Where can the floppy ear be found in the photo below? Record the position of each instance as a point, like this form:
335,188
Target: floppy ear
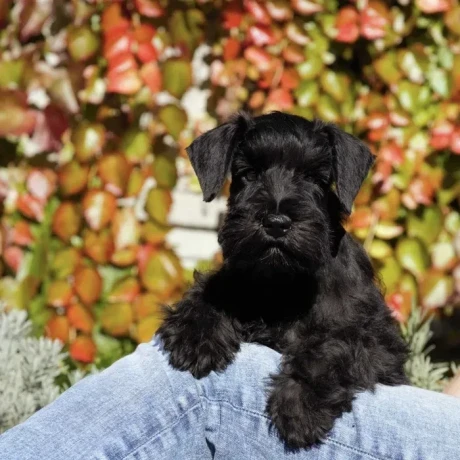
352,160
211,154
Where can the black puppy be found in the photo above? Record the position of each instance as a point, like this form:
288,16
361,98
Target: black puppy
292,278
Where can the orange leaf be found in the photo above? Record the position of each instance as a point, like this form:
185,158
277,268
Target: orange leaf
98,208
88,285
117,318
72,178
80,318
232,48
57,327
125,291
146,328
114,171
83,349
162,273
146,305
59,294
66,221
125,228
98,245
124,257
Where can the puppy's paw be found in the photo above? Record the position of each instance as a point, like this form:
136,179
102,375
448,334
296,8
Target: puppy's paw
199,350
300,420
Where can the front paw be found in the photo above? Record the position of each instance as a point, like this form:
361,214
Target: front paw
300,418
197,351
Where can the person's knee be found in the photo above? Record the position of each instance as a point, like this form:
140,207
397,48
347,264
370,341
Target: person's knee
245,382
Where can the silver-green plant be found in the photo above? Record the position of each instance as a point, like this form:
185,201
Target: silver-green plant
420,369
29,368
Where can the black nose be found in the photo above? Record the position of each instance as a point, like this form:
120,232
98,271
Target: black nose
277,225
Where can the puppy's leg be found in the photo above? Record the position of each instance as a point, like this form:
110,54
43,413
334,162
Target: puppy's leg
199,338
318,380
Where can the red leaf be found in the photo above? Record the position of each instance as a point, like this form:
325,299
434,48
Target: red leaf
290,79
281,99
41,183
151,76
258,12
259,57
83,349
232,15
433,6
374,20
31,206
21,234
306,7
117,41
455,142
122,62
149,8
261,35
347,25
441,135
13,256
392,153
232,48
127,82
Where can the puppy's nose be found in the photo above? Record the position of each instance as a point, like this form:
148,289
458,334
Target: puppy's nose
277,225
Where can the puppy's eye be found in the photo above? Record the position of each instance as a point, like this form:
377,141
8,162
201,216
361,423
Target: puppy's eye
249,175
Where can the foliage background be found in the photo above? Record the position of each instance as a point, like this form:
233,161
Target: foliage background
96,106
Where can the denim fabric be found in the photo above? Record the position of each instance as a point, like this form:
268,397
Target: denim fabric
140,408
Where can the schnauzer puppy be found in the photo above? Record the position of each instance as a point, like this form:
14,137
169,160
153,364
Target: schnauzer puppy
292,278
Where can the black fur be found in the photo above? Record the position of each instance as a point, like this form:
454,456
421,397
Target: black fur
309,294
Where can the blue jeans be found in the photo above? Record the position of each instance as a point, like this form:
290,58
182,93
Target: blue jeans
140,408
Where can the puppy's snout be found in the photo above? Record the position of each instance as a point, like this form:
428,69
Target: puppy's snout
277,225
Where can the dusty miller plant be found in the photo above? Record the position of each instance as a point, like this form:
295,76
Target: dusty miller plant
421,371
29,368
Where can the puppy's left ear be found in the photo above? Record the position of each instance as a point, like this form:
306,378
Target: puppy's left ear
211,154
352,160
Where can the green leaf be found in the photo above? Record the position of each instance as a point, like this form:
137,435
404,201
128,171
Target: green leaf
412,256
387,68
440,82
174,119
427,226
177,76
307,93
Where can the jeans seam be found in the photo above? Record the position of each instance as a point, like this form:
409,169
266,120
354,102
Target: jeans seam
332,440
158,433
259,414
359,451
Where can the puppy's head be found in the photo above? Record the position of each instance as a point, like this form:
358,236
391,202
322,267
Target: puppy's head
284,169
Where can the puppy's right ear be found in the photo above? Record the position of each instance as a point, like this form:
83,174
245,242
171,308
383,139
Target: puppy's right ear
211,154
